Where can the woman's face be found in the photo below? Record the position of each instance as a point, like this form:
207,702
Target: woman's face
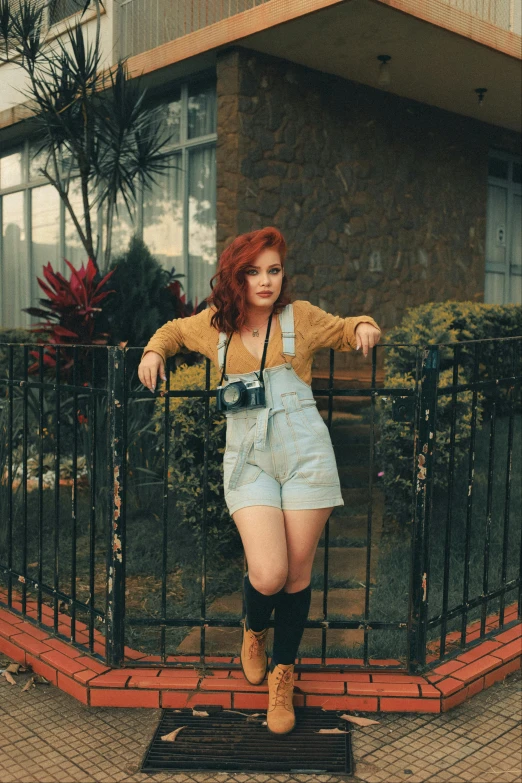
265,274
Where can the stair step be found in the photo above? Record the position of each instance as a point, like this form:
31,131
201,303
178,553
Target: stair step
347,603
355,496
342,404
348,454
227,641
346,524
356,501
344,563
354,476
354,434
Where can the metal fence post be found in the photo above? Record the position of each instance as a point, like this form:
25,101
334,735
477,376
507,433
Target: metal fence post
425,441
116,449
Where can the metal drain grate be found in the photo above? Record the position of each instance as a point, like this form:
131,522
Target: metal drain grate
226,740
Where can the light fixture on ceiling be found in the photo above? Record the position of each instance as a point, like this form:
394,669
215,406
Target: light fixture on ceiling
384,70
480,92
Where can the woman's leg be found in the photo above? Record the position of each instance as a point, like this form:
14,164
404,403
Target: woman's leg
303,529
262,532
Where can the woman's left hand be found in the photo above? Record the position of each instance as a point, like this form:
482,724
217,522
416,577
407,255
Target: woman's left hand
367,336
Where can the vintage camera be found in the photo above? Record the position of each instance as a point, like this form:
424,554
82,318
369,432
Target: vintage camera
239,394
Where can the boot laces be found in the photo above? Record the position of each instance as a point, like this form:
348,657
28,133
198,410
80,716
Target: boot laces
283,688
257,645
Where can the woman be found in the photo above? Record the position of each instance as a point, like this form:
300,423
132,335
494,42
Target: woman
280,475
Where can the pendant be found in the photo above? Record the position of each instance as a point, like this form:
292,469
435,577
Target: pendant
255,333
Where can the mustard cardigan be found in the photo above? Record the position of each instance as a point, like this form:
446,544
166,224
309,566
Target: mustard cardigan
314,329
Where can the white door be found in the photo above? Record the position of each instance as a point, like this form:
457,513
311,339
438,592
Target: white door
503,230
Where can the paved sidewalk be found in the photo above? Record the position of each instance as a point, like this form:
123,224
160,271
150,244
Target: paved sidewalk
46,736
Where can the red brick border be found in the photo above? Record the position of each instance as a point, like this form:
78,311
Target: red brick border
97,685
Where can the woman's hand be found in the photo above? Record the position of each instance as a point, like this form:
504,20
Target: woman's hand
150,365
367,336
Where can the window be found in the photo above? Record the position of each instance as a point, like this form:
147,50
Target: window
176,215
61,9
503,283
179,212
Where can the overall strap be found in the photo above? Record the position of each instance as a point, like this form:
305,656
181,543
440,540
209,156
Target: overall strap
286,318
222,340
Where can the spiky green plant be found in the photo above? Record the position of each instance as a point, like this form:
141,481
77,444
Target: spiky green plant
91,123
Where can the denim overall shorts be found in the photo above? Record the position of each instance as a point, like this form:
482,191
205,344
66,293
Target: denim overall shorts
280,455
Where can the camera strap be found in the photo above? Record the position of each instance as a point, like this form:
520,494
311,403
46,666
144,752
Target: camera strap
225,362
262,359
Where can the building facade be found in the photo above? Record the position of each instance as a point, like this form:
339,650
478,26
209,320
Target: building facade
390,193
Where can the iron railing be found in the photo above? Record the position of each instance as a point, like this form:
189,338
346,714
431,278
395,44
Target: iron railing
98,414
502,13
145,24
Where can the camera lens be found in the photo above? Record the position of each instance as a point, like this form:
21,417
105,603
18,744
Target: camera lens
231,394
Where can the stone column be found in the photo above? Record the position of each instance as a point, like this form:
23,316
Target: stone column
228,147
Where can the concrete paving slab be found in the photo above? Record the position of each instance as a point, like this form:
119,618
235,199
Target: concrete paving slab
46,736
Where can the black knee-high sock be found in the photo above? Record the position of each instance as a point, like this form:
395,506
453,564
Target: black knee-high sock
258,606
290,616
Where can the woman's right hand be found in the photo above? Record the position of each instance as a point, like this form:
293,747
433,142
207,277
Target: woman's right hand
148,369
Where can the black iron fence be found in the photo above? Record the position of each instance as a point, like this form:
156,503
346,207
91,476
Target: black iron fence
112,516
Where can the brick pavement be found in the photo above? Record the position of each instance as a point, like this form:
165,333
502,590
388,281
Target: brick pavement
47,736
94,684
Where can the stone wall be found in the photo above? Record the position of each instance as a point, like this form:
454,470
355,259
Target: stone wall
382,200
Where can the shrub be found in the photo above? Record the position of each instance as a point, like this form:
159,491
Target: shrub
186,458
70,311
146,296
142,300
432,324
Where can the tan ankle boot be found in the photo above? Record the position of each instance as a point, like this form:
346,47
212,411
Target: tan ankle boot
254,661
280,715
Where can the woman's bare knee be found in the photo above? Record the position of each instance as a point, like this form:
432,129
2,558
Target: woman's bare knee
268,583
263,536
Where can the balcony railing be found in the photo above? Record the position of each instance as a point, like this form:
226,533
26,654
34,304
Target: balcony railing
502,13
145,24
112,516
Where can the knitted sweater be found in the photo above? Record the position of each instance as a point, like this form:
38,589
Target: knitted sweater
314,329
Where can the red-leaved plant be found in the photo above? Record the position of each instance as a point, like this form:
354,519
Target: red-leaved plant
70,310
186,308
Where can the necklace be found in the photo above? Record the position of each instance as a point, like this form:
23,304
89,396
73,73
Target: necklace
255,331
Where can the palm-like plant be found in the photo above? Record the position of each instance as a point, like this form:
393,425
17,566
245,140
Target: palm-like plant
91,123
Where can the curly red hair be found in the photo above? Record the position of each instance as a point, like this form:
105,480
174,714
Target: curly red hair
229,293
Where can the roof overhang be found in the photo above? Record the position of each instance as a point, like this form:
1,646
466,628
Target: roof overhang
439,55
429,63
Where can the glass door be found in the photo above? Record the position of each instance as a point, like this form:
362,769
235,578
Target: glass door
503,230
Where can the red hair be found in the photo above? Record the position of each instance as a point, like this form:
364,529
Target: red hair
229,294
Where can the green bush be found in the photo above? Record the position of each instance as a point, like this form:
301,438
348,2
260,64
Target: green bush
433,324
186,458
141,302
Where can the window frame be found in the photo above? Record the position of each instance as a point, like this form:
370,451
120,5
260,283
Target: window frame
50,7
183,147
